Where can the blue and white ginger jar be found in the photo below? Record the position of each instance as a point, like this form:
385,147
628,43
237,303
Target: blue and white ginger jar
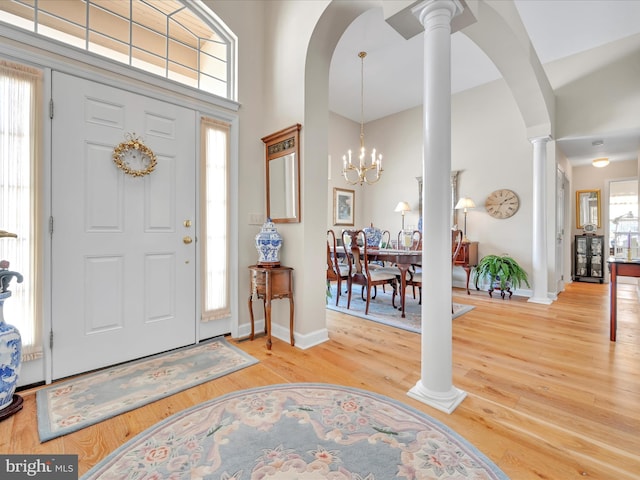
268,243
10,345
373,235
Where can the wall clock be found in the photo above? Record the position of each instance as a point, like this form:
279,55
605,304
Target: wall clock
502,203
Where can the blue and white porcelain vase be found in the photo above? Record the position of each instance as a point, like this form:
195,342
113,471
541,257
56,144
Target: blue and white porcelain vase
10,342
268,243
373,236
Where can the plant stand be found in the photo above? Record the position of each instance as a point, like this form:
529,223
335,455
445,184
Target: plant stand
503,293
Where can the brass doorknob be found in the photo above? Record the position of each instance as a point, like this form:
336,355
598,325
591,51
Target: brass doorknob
187,240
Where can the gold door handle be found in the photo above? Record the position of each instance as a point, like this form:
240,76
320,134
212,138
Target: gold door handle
187,240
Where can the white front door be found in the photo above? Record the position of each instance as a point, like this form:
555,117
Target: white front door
123,272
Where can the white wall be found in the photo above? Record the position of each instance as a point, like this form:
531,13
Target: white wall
489,148
246,20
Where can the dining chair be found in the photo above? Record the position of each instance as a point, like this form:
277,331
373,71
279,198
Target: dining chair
413,243
385,242
410,241
360,273
337,271
456,245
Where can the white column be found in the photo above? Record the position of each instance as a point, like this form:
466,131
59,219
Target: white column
540,277
435,386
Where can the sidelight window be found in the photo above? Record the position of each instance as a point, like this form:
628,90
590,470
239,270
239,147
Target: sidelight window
20,99
215,209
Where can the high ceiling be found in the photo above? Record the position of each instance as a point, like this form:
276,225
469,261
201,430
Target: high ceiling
393,77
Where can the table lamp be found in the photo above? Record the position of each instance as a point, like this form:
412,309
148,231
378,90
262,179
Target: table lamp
465,203
402,207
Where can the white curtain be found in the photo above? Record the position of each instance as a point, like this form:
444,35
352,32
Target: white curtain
215,218
20,100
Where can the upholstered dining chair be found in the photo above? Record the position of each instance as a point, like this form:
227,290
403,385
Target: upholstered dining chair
456,245
360,273
412,242
337,271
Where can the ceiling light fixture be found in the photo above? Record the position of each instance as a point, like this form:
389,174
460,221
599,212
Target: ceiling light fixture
600,162
362,168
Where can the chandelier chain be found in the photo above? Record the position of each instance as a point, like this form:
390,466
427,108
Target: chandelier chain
362,55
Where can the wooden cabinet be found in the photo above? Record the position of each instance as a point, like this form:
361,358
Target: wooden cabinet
467,258
588,258
269,283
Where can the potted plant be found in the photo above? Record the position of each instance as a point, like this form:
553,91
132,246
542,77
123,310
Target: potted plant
501,271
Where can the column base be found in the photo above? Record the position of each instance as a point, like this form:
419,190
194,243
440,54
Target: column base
542,300
446,402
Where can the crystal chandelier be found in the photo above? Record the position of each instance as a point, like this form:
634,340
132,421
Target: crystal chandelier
361,168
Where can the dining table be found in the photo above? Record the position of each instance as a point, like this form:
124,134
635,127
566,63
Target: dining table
403,259
624,268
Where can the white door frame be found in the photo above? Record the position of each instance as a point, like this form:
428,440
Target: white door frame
19,47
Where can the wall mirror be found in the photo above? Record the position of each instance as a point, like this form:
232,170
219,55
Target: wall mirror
588,208
282,154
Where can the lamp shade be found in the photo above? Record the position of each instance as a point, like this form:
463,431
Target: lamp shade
402,207
465,202
600,162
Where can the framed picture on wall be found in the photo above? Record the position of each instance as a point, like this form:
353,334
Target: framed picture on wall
343,206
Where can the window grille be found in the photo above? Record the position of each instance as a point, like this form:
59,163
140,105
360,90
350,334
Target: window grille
182,41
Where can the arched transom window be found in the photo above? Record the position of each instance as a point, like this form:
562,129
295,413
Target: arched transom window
180,40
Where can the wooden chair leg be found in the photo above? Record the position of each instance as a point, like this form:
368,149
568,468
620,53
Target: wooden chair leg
393,294
366,310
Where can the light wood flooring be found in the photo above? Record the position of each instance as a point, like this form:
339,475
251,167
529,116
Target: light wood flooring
549,396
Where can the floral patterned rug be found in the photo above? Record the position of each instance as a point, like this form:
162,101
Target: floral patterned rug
86,400
304,431
381,310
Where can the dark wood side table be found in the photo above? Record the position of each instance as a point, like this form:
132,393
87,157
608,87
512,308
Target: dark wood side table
626,269
467,259
269,283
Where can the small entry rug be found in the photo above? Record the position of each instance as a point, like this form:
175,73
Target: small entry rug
304,431
89,399
381,310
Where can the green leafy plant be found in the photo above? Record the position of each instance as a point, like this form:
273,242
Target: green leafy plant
500,270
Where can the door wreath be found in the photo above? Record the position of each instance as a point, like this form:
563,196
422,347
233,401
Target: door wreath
134,158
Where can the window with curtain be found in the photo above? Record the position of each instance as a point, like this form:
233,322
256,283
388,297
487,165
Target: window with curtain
214,136
20,111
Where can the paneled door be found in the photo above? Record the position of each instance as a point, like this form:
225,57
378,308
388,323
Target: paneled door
123,268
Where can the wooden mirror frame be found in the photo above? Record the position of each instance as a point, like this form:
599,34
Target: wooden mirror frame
583,199
278,145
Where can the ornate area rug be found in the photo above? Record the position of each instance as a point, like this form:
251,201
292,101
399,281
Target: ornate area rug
299,431
381,310
86,400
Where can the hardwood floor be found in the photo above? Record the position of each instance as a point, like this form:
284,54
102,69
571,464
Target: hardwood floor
549,396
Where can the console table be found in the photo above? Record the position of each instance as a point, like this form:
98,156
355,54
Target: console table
467,258
626,269
270,283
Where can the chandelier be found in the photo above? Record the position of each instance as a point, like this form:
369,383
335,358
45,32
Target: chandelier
361,169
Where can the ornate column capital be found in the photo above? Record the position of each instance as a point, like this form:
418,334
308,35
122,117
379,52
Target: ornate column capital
442,11
540,139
